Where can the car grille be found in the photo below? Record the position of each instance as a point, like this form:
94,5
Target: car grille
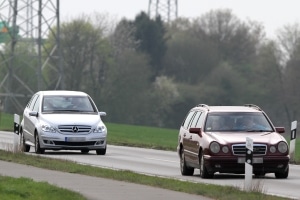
74,129
258,149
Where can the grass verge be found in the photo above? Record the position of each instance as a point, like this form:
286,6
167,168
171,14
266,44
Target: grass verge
24,188
212,191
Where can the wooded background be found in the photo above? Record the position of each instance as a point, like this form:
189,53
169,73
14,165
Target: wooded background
147,72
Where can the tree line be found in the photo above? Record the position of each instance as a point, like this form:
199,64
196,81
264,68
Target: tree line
147,72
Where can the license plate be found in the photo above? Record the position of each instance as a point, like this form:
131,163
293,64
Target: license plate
254,160
74,139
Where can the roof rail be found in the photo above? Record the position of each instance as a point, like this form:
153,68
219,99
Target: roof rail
253,106
203,105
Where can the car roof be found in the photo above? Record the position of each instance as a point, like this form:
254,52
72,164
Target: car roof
229,108
63,93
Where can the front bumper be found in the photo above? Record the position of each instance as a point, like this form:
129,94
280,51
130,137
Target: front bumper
262,164
57,141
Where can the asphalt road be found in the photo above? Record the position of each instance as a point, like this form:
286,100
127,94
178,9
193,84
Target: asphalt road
166,163
91,187
94,188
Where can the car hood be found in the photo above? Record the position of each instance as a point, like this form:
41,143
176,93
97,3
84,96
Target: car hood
233,137
71,119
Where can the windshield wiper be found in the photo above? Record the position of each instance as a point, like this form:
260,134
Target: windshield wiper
258,130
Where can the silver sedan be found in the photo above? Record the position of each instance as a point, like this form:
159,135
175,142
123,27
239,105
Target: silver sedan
57,120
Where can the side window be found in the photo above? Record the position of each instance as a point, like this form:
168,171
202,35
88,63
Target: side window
36,104
200,122
188,119
32,101
195,120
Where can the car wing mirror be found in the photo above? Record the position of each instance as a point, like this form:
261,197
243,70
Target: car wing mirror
102,114
33,113
280,129
196,131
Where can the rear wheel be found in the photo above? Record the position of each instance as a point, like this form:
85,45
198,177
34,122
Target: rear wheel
185,170
38,149
85,151
23,146
259,174
284,174
203,170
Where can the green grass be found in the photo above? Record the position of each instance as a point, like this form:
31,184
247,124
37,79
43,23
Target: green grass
24,188
208,190
6,122
141,136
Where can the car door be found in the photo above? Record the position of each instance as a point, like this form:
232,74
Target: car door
195,139
186,135
30,121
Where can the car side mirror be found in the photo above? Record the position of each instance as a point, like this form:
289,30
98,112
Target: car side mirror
196,131
33,113
280,129
102,114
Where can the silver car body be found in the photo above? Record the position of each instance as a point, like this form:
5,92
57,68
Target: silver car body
63,125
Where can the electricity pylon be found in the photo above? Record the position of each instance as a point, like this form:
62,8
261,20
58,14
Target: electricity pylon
28,23
166,9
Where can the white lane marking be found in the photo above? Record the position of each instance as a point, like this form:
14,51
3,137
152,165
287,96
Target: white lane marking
162,160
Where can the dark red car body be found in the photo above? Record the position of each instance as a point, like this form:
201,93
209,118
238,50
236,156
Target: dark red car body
223,150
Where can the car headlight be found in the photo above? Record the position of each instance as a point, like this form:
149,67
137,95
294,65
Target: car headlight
282,147
48,128
214,147
99,129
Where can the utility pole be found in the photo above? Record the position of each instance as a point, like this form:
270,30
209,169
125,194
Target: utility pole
166,9
29,23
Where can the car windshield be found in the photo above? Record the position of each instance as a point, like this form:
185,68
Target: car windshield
237,121
67,104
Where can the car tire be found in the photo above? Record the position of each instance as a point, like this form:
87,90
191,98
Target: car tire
259,174
37,146
101,151
85,151
23,146
203,170
185,170
281,175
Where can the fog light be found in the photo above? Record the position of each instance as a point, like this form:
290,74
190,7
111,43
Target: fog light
280,166
100,142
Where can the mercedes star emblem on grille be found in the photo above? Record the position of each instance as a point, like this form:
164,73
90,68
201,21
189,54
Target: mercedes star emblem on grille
75,129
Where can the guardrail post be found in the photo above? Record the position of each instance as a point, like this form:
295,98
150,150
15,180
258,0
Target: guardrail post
248,164
16,133
293,140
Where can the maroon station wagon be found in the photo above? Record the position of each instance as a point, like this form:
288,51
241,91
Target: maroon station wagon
213,139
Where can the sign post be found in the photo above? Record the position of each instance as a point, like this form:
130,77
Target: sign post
248,164
293,140
16,132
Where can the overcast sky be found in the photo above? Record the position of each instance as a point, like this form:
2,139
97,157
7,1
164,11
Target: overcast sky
273,14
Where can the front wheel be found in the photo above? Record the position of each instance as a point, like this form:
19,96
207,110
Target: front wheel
101,151
284,174
203,170
38,149
185,170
